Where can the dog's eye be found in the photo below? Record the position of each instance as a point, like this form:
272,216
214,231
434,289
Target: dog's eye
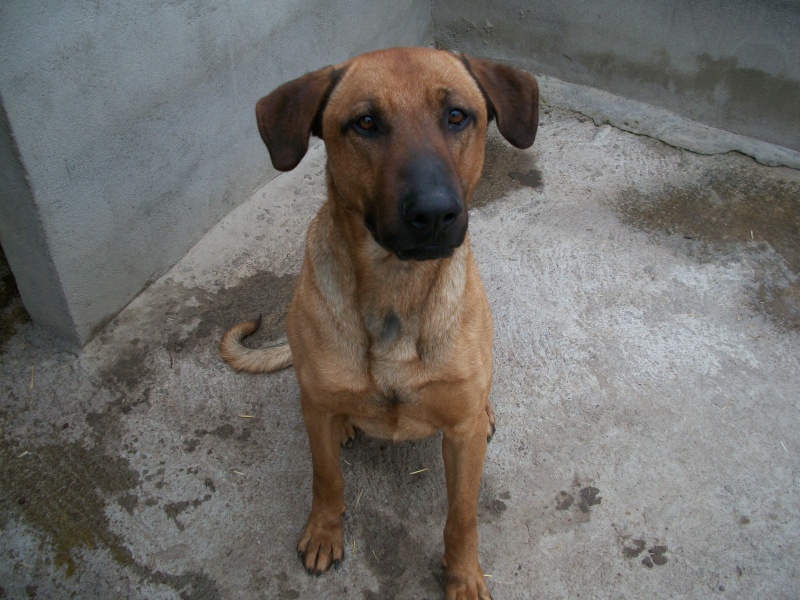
367,124
456,118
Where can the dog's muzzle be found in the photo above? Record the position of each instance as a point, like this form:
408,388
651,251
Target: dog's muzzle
429,220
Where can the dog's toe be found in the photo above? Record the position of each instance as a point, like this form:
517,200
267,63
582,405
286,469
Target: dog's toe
466,586
321,546
348,434
491,428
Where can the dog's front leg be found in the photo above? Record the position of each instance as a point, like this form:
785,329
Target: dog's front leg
321,544
463,450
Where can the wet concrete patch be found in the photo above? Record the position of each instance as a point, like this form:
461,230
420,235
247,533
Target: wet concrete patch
190,585
564,500
131,366
223,432
390,547
736,211
174,509
262,294
105,424
129,502
62,490
655,556
59,489
589,497
531,178
387,540
285,592
634,549
576,504
184,320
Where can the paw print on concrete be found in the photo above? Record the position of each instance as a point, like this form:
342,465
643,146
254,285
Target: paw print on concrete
655,555
587,497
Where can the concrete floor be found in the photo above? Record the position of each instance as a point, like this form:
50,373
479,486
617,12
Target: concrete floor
647,392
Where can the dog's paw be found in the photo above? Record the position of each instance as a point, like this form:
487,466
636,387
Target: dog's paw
465,585
490,428
348,433
321,547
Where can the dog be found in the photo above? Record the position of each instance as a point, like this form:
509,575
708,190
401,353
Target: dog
389,328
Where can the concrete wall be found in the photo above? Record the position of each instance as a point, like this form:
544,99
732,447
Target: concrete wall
127,130
732,64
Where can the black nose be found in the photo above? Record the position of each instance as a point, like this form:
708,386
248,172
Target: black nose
431,213
430,204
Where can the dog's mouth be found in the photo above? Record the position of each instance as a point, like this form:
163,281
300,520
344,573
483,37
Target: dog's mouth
425,253
422,252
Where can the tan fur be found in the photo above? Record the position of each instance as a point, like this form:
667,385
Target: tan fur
261,360
400,349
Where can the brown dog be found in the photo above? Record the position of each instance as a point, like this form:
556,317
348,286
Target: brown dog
389,327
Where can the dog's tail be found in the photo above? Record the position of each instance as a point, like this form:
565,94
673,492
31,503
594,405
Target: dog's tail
261,360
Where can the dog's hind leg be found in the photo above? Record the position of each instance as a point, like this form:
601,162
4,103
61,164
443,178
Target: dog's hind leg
348,433
491,429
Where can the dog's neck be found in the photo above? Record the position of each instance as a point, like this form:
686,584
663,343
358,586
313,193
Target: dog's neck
369,286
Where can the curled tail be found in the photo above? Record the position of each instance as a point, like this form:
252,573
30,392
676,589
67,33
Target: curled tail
261,360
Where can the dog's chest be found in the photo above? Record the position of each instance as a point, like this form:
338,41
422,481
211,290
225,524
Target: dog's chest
393,408
394,356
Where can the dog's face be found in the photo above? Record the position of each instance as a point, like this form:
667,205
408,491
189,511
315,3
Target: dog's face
404,133
404,130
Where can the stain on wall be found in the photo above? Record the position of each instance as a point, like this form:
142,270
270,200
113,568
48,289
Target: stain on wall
730,65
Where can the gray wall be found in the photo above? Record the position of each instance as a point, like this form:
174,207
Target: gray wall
127,130
732,64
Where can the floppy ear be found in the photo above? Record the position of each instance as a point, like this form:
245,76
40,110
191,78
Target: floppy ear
290,114
512,96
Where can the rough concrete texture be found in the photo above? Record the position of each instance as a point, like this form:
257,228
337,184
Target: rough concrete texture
647,320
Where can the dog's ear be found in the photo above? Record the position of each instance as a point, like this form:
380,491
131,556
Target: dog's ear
512,96
291,113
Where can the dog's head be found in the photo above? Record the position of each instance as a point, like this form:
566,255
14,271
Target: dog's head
404,130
